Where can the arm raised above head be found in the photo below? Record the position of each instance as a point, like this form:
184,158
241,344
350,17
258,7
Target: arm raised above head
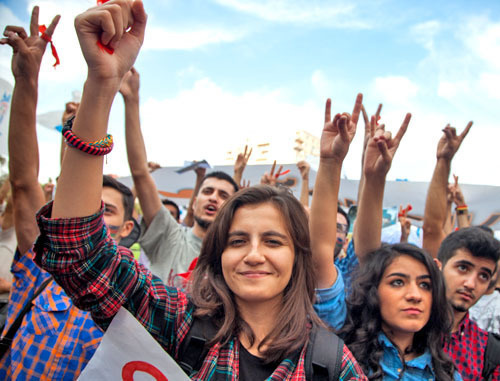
119,24
335,141
27,194
435,204
379,153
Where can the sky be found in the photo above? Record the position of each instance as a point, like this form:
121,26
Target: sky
218,73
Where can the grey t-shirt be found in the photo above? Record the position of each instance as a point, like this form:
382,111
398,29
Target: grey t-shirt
169,246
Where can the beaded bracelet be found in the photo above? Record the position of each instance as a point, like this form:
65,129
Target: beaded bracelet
98,148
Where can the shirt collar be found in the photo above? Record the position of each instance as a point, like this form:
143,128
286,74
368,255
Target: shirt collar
421,362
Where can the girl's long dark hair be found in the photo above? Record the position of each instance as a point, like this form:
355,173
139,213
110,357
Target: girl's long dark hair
364,322
213,298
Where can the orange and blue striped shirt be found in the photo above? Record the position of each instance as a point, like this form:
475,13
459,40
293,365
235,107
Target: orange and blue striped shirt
55,340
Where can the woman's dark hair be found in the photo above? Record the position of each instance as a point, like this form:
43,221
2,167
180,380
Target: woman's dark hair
364,321
212,296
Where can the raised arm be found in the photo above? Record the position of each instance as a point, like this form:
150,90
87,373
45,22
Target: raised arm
369,131
435,204
119,25
69,110
335,140
200,174
240,165
304,169
144,183
27,194
461,207
378,157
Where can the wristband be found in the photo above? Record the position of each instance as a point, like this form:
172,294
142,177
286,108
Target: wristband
98,148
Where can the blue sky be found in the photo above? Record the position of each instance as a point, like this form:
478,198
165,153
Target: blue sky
218,73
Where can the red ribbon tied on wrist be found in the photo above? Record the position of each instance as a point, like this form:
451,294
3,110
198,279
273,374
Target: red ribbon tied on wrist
42,29
105,48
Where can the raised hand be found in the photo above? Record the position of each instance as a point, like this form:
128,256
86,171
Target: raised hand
69,110
130,84
338,133
28,51
118,24
456,193
271,178
405,224
152,166
382,147
369,127
450,142
242,160
304,168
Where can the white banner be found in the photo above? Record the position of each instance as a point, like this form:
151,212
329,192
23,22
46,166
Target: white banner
129,353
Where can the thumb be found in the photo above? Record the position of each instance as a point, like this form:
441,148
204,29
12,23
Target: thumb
140,19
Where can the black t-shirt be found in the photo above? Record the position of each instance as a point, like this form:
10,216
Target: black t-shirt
253,368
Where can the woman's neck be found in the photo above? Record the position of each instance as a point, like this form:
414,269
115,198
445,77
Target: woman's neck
261,317
403,342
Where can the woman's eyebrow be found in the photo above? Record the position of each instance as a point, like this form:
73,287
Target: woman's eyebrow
398,274
274,233
237,232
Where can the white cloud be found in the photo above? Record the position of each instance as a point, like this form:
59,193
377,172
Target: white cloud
206,121
321,84
396,90
314,12
425,33
160,38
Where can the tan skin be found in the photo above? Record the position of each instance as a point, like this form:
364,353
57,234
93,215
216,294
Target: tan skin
435,204
28,197
336,138
378,156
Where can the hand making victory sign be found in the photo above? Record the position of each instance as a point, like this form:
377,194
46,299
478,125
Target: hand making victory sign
28,50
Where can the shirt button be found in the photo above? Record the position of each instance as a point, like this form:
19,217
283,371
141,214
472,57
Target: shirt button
399,370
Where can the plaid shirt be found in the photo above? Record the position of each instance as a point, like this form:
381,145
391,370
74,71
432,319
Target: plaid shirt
55,340
466,347
101,277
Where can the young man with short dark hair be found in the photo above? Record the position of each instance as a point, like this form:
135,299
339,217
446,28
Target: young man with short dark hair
468,259
169,246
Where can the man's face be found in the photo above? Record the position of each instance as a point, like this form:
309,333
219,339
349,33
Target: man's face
341,233
467,279
213,193
114,214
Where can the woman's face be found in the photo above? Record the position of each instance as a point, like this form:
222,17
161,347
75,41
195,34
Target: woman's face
405,294
257,262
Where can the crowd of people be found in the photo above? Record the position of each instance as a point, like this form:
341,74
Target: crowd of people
280,290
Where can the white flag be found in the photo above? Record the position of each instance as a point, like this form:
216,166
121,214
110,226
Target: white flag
128,352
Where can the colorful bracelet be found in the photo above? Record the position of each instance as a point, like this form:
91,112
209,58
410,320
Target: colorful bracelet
462,209
98,148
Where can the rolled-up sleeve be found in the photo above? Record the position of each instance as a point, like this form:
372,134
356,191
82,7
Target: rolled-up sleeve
330,303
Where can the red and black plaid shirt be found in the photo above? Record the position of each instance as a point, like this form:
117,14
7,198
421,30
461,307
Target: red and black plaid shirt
101,277
466,347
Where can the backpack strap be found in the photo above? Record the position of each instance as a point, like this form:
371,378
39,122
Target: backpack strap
491,356
324,354
6,341
193,349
